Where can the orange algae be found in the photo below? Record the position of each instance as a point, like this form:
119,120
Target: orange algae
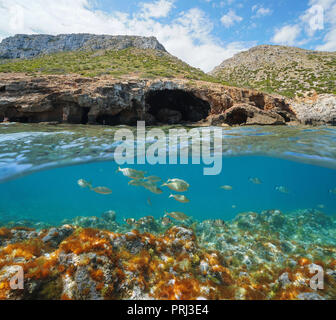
150,268
5,233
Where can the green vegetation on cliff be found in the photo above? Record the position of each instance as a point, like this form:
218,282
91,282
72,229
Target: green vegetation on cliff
143,63
278,69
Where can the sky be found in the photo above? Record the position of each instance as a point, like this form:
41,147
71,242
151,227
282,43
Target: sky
203,33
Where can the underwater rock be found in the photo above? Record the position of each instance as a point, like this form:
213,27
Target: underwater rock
57,235
205,260
310,296
284,280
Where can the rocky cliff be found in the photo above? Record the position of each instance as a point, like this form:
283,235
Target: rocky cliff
284,70
28,46
105,100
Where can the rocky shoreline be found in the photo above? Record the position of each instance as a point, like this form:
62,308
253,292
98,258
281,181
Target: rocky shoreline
104,100
240,259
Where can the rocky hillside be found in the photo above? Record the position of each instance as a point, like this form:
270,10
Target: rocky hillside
284,70
92,55
28,46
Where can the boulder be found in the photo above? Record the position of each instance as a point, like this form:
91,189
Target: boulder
316,110
245,114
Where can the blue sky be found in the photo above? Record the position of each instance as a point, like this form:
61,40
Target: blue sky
201,32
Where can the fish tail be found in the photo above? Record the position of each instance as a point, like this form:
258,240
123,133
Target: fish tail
165,213
118,170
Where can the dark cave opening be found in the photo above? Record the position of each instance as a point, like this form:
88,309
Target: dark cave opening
85,115
238,116
176,106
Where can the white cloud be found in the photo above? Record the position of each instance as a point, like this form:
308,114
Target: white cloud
260,11
287,35
329,17
157,9
230,19
187,37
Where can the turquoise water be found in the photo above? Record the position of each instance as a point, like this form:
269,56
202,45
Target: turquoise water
53,195
40,167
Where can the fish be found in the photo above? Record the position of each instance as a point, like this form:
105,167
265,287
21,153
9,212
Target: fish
166,221
321,206
234,206
179,216
227,188
153,179
177,185
220,223
282,189
154,189
145,220
102,190
149,201
180,198
136,183
130,221
84,184
131,173
255,180
179,181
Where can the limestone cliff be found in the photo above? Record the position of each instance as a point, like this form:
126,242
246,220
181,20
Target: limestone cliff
29,46
105,100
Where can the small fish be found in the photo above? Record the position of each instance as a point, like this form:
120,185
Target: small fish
321,206
153,179
154,189
131,173
136,183
180,198
102,190
255,180
84,184
282,189
179,216
149,201
179,181
333,191
166,221
177,185
234,206
219,223
131,221
227,188
146,220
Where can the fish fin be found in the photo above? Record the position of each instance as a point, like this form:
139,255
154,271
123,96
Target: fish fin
118,170
164,185
165,213
171,196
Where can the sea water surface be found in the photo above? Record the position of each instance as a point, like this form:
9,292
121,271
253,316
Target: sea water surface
40,166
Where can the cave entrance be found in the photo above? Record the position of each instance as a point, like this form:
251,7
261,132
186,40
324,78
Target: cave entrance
176,106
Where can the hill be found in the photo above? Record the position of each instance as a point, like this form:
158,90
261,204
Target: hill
279,69
90,56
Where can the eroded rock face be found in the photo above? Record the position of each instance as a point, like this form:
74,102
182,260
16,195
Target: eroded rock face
316,109
107,101
28,46
245,114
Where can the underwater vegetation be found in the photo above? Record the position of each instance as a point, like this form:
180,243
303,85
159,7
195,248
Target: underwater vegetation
253,257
